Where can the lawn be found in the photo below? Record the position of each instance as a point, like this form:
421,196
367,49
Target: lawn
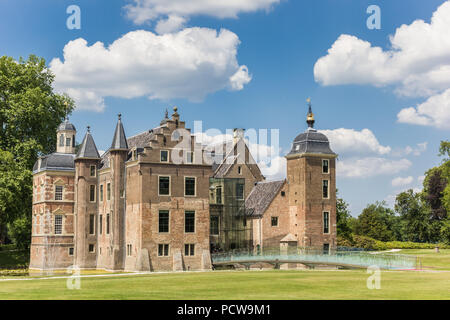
237,285
430,259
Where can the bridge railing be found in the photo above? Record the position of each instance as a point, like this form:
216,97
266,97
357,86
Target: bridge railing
316,256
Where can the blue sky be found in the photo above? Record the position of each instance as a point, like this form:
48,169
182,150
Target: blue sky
280,44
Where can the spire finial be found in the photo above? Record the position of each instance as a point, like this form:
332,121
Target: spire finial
89,129
119,116
166,115
310,117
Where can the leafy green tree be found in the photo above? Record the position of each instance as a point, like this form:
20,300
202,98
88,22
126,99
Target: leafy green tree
415,217
378,222
30,113
343,219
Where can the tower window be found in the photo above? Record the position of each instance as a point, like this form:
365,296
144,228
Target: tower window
325,193
70,251
239,170
101,192
189,186
58,192
129,248
61,140
93,169
58,224
108,191
91,248
274,221
325,166
163,225
240,191
73,141
91,224
92,193
163,250
100,224
189,221
219,194
164,186
107,223
326,222
164,156
68,142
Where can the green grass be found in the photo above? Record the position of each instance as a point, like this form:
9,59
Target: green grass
237,285
430,259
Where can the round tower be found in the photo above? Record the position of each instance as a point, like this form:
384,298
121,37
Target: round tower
65,137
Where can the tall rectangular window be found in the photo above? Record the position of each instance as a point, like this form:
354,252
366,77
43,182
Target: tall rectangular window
73,141
189,249
164,156
93,168
163,225
101,192
240,191
274,221
58,224
214,225
58,192
219,194
326,248
100,224
325,189
92,193
107,223
326,222
91,224
164,186
68,142
61,140
189,221
189,186
163,249
108,191
325,166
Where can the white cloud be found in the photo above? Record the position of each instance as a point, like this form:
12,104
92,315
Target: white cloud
400,182
370,166
433,112
141,11
171,24
190,64
349,141
408,150
418,64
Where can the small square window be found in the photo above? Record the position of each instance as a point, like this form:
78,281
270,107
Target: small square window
163,250
70,251
239,170
274,221
164,156
91,248
189,249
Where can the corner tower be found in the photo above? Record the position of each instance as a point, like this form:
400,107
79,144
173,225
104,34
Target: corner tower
86,182
311,176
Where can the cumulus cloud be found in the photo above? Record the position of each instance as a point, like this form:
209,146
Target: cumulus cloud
370,166
141,11
190,64
433,112
418,64
349,141
171,24
408,150
400,182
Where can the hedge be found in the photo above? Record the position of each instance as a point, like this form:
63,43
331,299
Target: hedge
368,243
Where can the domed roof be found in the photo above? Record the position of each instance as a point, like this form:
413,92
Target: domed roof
66,126
55,161
311,141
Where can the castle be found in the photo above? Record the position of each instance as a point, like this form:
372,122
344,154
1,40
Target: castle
147,204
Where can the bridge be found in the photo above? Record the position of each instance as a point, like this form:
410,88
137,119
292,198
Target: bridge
343,259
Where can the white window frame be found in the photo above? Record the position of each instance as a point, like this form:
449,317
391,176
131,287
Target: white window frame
323,222
90,171
62,192
189,249
327,166
169,221
160,155
62,223
170,185
168,251
328,189
195,186
93,246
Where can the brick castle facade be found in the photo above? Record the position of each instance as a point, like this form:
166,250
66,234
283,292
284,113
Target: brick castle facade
155,202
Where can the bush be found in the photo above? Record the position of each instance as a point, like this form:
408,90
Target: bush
20,232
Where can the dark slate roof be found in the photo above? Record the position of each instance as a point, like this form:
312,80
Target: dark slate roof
104,161
66,125
311,141
141,140
261,197
55,161
88,149
119,139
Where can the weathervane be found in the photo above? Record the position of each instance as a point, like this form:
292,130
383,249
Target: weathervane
310,117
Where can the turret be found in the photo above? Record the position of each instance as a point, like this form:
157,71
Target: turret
66,137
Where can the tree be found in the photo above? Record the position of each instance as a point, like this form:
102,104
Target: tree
343,219
378,222
415,217
30,113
